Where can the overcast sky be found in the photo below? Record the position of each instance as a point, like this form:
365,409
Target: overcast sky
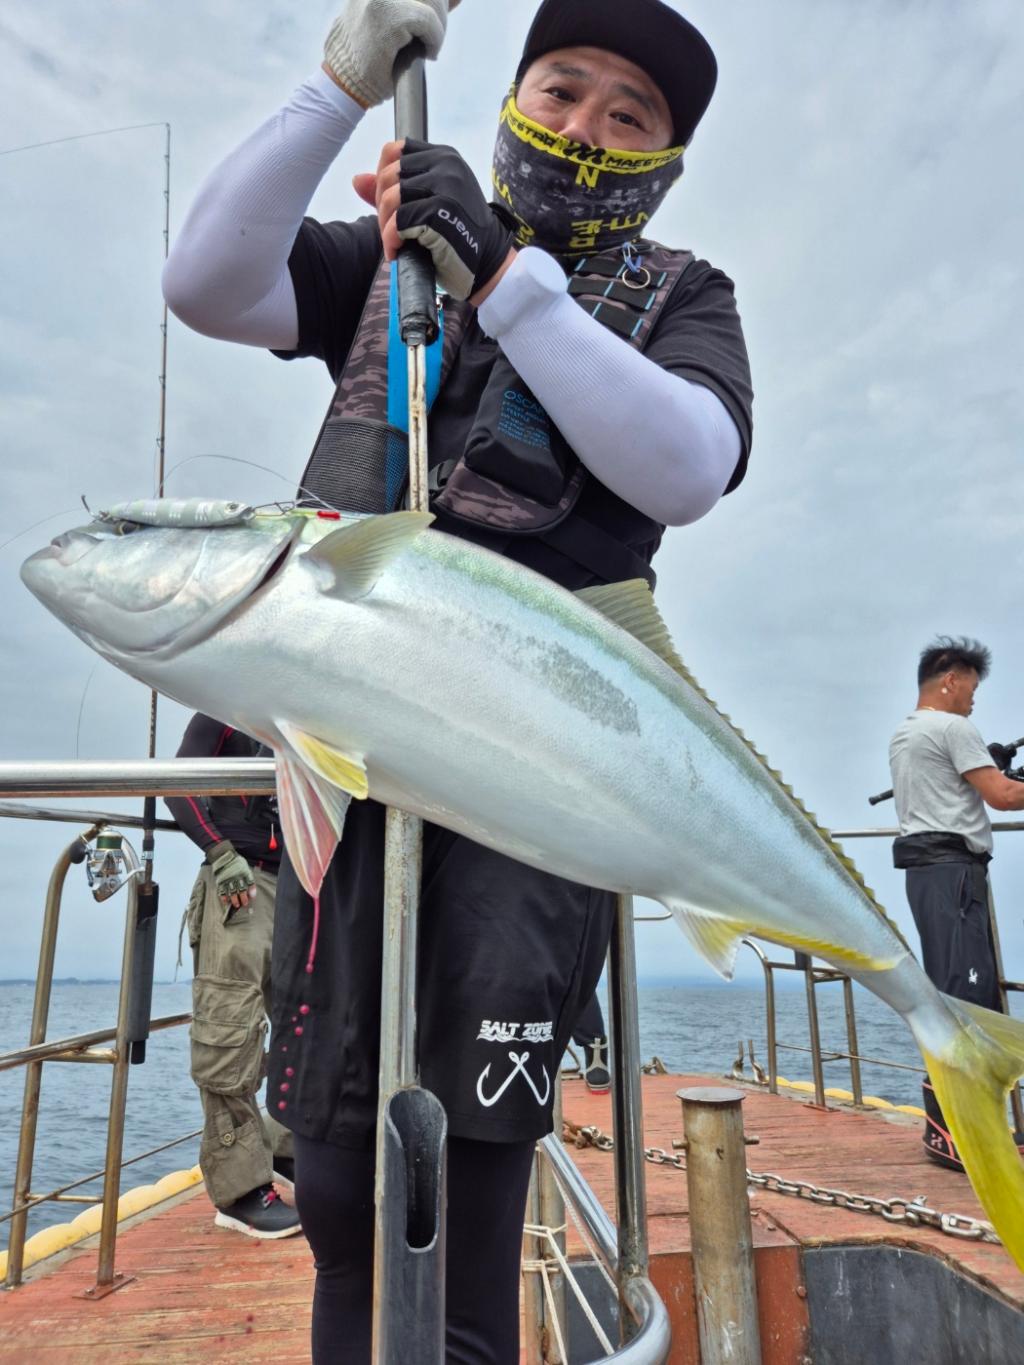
858,176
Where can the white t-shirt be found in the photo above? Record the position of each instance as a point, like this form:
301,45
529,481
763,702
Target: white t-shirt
927,756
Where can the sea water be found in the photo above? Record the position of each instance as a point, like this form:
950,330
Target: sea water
694,1027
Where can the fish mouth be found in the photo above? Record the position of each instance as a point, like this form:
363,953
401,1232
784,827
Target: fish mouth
69,547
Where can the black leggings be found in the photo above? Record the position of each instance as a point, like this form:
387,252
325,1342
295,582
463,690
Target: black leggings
487,1187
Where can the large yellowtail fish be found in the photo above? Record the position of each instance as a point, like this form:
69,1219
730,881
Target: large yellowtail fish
381,659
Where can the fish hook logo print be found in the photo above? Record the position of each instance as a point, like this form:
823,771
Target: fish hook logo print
519,1069
493,1031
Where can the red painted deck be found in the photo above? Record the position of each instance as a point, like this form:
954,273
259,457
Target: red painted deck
203,1293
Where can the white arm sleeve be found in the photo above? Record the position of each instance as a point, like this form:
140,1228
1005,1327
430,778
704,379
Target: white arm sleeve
665,445
227,273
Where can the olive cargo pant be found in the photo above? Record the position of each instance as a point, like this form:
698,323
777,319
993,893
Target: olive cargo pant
230,1001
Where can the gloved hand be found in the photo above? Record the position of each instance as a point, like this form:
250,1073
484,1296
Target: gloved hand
1003,755
368,35
443,208
232,875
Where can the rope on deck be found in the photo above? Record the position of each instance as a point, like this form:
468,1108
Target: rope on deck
542,1266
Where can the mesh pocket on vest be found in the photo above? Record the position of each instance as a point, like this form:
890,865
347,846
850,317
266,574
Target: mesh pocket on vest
358,465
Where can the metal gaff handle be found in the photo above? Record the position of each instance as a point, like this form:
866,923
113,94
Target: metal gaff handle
417,300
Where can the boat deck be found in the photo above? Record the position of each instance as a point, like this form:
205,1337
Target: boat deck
203,1293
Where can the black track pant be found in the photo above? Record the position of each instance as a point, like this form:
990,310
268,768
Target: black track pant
589,1023
949,902
487,1187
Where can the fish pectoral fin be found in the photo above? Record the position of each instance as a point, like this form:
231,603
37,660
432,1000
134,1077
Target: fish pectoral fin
334,765
717,939
357,555
312,818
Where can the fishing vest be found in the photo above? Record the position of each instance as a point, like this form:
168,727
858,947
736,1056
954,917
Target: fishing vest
517,475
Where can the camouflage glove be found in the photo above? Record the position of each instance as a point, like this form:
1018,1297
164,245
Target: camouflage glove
443,208
232,875
368,35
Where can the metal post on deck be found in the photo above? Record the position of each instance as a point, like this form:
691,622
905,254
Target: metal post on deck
75,852
806,964
107,1279
721,1237
409,1231
627,1111
545,1209
852,1045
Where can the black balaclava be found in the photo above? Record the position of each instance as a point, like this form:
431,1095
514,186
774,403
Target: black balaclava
569,198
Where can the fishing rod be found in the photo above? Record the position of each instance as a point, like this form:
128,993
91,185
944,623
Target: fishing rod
1002,756
144,946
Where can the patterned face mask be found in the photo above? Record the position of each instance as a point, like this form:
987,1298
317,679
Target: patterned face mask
569,198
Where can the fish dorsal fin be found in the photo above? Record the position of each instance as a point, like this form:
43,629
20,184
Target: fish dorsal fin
357,555
631,607
343,770
312,818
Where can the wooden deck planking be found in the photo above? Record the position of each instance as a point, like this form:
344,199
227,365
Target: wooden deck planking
873,1152
207,1294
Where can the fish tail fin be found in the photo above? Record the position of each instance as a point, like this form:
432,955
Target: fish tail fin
972,1078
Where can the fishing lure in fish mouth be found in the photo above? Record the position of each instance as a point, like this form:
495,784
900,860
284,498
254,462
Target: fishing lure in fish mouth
379,659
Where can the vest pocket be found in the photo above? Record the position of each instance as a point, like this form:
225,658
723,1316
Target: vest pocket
515,442
227,1033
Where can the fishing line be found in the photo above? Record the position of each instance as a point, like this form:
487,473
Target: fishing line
50,516
81,704
237,459
80,137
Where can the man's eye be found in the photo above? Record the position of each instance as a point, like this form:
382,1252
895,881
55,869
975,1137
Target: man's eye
559,92
628,119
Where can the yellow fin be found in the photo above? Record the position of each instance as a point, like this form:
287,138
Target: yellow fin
715,938
972,1079
312,817
357,555
346,771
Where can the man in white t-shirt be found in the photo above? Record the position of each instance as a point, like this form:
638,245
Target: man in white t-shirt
943,778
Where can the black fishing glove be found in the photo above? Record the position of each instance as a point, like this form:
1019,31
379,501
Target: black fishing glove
1003,755
443,208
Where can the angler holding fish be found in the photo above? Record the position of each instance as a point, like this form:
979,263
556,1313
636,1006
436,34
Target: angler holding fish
552,738
593,387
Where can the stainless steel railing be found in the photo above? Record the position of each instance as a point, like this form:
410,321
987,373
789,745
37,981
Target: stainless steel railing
644,1323
816,976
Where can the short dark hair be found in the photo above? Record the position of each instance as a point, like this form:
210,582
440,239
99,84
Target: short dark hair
946,652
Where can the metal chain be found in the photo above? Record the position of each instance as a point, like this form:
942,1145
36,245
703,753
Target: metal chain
915,1212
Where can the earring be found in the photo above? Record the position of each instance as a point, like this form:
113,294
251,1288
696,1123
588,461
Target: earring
945,691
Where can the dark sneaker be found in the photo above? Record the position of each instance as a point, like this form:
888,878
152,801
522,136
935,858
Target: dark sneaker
595,1068
260,1213
284,1168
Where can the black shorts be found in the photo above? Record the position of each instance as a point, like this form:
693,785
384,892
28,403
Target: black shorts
508,958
